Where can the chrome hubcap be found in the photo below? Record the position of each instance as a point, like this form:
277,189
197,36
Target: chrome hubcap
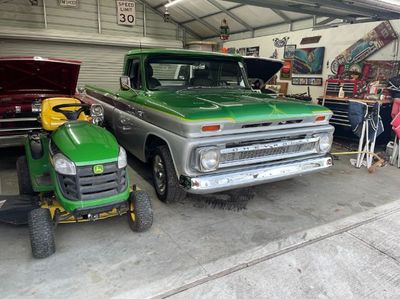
159,174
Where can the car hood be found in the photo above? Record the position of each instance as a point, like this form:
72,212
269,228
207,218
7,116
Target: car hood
84,143
21,75
238,106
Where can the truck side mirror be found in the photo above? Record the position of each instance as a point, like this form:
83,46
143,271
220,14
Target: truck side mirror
125,83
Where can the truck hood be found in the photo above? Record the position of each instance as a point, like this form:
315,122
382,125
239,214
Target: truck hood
262,68
238,106
21,75
84,143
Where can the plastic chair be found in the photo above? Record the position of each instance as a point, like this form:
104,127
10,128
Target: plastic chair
367,126
395,157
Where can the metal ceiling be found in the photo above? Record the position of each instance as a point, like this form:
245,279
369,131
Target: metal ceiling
202,18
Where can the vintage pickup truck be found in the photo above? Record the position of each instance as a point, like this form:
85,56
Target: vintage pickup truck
24,83
194,117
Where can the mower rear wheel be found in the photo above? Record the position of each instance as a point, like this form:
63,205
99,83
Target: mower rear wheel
41,232
165,181
140,214
24,179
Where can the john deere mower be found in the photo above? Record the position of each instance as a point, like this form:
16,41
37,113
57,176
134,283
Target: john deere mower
75,171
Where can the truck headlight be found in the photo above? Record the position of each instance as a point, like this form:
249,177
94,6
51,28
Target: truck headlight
209,158
97,113
325,142
122,158
63,165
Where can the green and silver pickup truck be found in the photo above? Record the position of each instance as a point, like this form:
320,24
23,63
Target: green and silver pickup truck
195,118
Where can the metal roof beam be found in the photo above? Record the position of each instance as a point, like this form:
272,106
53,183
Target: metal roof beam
232,15
263,27
172,19
324,22
197,18
213,14
299,8
349,8
282,15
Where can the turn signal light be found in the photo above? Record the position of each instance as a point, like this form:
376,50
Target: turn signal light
320,118
211,128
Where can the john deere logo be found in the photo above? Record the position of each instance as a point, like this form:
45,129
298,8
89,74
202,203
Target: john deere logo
98,169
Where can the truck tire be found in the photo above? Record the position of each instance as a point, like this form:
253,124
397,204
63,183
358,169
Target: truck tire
164,176
41,233
24,178
140,214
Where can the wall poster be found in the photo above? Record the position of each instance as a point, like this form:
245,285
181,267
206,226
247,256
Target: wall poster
374,40
309,61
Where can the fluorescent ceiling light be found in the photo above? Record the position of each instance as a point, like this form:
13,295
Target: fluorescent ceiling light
172,3
394,2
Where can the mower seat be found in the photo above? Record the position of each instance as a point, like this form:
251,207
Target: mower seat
51,120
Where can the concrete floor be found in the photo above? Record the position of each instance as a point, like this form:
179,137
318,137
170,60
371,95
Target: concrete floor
323,235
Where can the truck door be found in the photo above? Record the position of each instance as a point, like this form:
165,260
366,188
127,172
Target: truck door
127,113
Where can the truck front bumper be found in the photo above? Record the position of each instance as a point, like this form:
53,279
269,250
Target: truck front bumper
253,176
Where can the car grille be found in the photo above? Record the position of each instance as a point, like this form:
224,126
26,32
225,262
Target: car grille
267,151
86,185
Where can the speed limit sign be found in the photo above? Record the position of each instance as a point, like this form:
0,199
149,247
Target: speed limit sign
126,12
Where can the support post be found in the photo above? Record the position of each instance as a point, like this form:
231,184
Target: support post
45,14
98,16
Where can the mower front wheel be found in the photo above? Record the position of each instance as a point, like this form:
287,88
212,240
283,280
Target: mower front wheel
140,214
41,232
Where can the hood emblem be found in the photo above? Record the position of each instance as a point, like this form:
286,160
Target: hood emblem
98,169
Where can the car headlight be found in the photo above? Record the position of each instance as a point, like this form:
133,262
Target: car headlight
325,142
63,165
209,158
122,158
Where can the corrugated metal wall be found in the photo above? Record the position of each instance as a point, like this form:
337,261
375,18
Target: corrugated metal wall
102,62
19,13
102,65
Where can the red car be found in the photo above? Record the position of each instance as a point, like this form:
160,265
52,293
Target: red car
24,83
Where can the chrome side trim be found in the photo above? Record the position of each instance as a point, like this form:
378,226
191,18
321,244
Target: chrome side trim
6,120
13,140
254,176
19,129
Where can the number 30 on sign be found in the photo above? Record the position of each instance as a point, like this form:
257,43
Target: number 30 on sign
126,12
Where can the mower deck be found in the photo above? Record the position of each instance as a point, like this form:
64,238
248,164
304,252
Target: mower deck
14,209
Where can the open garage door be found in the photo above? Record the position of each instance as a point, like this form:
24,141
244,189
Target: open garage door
101,64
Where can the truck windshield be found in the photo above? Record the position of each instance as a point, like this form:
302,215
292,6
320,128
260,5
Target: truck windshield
192,73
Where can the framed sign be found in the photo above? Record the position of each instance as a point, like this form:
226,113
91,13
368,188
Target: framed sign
68,3
286,70
126,12
372,42
290,51
307,81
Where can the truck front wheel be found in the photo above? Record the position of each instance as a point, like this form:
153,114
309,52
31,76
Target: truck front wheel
164,176
41,232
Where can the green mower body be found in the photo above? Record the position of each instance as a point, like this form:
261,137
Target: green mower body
98,183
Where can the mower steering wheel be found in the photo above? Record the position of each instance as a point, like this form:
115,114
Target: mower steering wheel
71,114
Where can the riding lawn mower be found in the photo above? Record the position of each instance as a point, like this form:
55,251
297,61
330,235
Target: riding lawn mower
75,171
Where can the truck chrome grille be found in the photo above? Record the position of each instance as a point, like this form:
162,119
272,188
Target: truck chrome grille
268,151
86,185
